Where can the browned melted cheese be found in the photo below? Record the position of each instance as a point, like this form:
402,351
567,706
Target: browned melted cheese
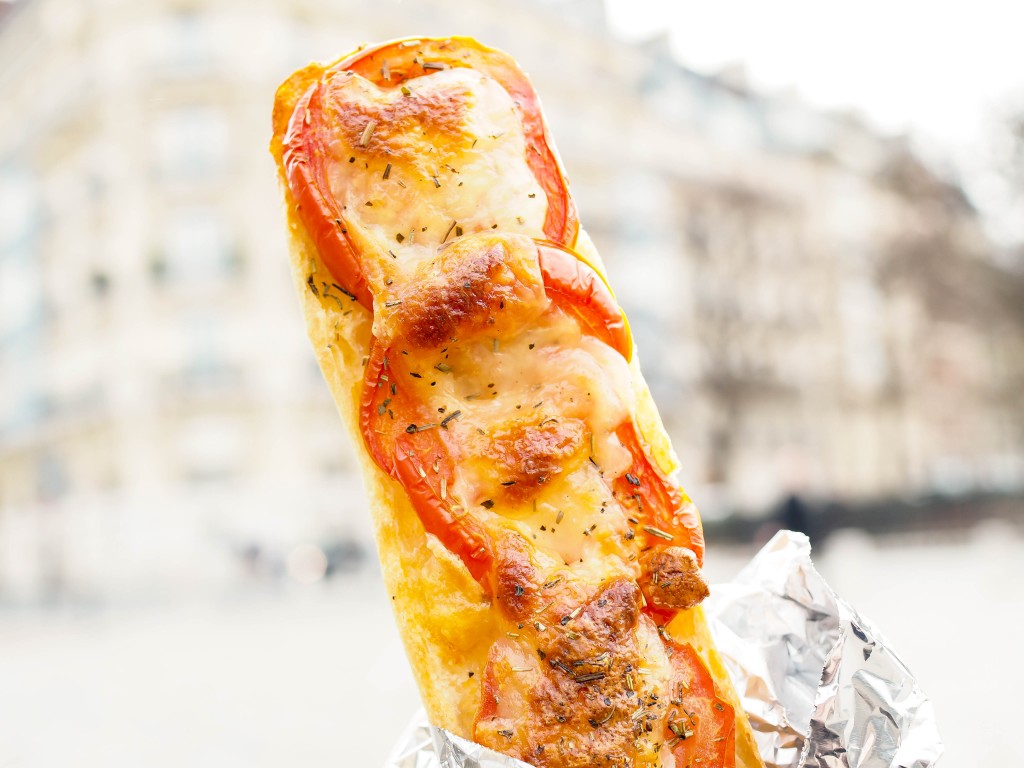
468,288
592,693
404,125
672,579
525,456
452,149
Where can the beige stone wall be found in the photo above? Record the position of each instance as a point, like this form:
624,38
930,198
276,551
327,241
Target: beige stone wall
159,409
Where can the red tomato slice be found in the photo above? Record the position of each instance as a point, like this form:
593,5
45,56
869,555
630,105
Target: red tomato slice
304,159
305,152
659,503
701,725
425,56
417,456
575,286
377,398
457,531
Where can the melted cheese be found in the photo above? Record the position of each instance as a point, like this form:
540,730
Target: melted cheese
553,389
456,151
546,396
600,693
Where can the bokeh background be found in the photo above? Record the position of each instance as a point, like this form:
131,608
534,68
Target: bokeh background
814,219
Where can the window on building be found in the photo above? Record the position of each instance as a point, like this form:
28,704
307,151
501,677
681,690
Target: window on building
185,43
191,142
198,362
861,312
21,294
100,282
53,480
210,447
16,214
196,246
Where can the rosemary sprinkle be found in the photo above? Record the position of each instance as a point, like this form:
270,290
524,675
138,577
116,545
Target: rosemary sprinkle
658,532
450,228
367,133
413,428
450,417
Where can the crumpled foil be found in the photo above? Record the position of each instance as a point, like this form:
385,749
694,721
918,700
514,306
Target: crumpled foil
821,686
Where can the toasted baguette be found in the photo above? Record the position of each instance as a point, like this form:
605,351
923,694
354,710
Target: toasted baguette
447,620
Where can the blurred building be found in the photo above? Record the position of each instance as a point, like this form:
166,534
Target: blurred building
161,418
162,421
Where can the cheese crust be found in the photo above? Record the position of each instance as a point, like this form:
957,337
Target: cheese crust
556,635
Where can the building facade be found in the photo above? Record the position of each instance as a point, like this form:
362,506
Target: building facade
162,422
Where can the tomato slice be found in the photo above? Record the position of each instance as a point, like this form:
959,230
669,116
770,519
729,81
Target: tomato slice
659,502
411,58
417,456
305,153
457,531
376,402
391,422
389,412
576,286
701,726
304,156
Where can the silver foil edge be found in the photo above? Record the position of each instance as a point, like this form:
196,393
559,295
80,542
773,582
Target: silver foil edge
821,686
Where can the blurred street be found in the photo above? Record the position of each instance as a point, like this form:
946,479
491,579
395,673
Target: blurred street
315,676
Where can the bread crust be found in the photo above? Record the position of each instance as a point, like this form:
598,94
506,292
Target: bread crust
446,620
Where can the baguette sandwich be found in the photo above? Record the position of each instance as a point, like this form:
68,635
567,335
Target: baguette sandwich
544,568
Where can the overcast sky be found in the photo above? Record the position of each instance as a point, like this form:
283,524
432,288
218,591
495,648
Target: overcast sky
942,70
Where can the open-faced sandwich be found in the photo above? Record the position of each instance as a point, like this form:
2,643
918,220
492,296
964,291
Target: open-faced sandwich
545,569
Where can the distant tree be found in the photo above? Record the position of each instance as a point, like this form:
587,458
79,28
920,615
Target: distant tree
1009,283
1010,161
942,253
736,370
943,257
1011,156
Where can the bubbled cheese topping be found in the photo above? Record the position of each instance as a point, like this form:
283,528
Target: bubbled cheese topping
452,149
535,431
424,175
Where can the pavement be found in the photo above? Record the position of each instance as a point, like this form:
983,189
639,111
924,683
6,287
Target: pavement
314,675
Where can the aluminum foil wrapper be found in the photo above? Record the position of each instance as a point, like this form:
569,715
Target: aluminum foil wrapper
821,686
